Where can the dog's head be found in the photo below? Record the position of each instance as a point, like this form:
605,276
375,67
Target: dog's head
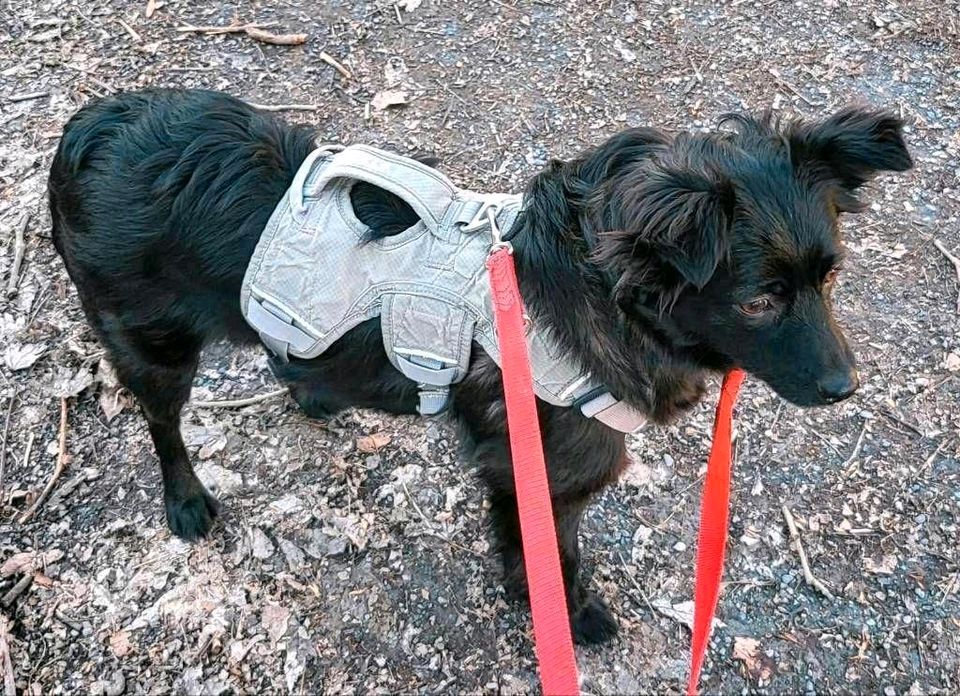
730,240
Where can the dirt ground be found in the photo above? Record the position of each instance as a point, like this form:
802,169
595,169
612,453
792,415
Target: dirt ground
352,555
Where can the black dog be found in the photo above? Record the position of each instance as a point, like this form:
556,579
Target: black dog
654,260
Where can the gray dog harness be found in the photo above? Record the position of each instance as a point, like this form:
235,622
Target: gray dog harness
314,276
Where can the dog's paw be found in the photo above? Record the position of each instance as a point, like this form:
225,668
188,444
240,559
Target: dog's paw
593,622
191,517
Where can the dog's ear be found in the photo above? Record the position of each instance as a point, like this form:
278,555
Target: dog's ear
851,146
678,216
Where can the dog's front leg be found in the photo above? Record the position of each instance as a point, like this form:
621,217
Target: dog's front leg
582,457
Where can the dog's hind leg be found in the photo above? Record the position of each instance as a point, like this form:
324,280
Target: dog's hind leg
158,367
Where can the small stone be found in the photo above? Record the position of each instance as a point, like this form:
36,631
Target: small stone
680,547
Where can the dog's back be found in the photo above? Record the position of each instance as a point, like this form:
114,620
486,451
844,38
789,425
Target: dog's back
158,199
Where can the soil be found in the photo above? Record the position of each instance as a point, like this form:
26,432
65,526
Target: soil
353,555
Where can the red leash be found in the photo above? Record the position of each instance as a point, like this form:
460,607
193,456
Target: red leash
712,541
548,601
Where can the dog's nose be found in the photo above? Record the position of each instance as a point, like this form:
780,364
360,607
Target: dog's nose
838,385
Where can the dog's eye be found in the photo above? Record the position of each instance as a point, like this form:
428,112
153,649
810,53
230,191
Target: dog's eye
757,306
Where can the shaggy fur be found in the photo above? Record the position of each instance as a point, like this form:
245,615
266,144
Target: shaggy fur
653,259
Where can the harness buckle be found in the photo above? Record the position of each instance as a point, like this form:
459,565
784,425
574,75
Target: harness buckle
485,217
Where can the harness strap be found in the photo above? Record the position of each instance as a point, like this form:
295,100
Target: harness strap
423,188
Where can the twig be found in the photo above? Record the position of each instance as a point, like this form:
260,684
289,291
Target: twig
955,260
130,30
429,531
26,455
791,88
284,107
897,419
231,29
61,465
17,590
6,661
633,580
929,460
856,448
19,247
275,39
27,97
67,621
3,446
335,64
239,403
798,546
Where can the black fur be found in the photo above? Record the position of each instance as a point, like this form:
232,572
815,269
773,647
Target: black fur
652,259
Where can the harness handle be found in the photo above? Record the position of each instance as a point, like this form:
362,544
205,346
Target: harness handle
423,188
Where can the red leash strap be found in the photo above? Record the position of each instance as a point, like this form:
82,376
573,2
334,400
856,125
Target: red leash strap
548,600
714,513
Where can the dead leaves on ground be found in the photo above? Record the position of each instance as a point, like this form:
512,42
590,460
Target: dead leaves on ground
369,444
759,666
29,561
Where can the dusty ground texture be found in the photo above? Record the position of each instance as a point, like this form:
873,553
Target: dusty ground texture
352,555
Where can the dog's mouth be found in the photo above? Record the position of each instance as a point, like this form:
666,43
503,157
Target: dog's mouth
828,390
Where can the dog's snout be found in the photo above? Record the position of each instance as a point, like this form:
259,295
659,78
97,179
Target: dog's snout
838,385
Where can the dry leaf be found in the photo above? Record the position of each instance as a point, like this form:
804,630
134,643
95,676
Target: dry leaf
372,443
28,561
113,397
213,446
20,357
410,5
681,613
885,566
298,652
387,98
274,619
152,6
68,382
758,665
120,643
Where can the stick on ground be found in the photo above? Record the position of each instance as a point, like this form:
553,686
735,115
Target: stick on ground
19,247
61,465
856,448
6,661
3,447
335,64
276,39
230,29
239,403
797,544
17,590
955,260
